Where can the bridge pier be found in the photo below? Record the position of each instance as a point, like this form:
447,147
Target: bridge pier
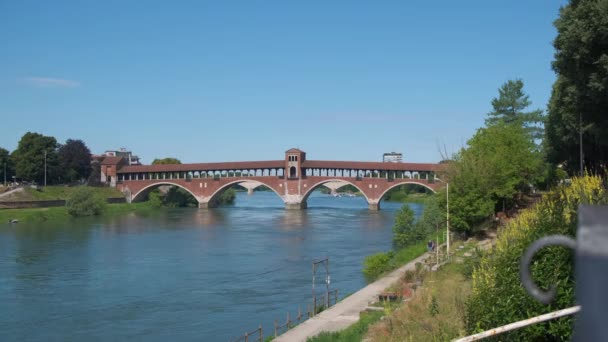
374,206
296,205
206,205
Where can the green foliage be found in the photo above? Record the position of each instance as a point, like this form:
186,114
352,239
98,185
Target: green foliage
226,197
29,158
498,297
355,332
376,264
177,197
5,160
403,230
166,161
74,160
155,199
499,165
509,109
85,202
434,307
581,88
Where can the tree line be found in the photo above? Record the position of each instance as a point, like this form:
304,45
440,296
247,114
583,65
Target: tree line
65,163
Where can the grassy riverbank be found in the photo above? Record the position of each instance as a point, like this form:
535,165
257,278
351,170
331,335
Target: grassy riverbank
57,192
436,312
407,198
61,213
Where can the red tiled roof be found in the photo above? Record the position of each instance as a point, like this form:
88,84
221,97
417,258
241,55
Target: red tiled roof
204,166
291,150
111,160
247,165
355,165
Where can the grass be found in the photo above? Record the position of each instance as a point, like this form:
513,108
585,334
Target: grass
61,213
63,192
400,196
355,332
436,312
399,258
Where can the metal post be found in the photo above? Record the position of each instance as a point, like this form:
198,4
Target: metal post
261,334
580,142
447,222
327,280
275,327
45,168
5,173
314,300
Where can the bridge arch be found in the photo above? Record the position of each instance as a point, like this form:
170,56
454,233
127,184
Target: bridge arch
315,186
228,185
404,183
139,195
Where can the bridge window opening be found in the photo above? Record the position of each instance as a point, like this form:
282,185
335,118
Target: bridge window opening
292,172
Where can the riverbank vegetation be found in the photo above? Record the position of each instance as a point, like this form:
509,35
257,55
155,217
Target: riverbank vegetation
85,202
496,277
436,310
58,192
33,215
501,170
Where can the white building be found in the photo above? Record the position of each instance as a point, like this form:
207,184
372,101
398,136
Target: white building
392,157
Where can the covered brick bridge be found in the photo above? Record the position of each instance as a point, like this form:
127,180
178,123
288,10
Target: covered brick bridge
292,179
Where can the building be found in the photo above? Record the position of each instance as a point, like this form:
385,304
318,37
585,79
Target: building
392,157
129,157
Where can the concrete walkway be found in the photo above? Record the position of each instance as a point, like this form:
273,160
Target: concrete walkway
346,312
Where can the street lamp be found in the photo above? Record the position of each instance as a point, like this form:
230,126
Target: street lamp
580,140
45,169
447,222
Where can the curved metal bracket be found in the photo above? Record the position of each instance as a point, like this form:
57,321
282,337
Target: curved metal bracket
524,270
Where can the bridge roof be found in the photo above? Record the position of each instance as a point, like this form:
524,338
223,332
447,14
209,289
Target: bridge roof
278,164
356,165
269,164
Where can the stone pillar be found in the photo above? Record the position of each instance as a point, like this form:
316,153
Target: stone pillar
374,206
296,205
249,191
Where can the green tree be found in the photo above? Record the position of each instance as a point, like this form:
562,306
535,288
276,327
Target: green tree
6,164
509,108
85,202
498,166
75,160
404,232
29,158
166,161
580,94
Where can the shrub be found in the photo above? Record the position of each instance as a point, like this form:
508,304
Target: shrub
85,202
376,264
498,298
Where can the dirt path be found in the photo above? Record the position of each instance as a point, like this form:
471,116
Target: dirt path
7,195
346,312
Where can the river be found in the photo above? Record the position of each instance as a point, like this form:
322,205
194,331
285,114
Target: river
181,274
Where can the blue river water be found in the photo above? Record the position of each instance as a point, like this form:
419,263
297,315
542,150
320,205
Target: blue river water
181,274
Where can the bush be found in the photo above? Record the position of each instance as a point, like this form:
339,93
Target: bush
85,202
498,298
376,264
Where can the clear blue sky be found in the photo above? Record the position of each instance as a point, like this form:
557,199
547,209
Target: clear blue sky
227,80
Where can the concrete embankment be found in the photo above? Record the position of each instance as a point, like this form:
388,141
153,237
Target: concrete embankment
346,312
